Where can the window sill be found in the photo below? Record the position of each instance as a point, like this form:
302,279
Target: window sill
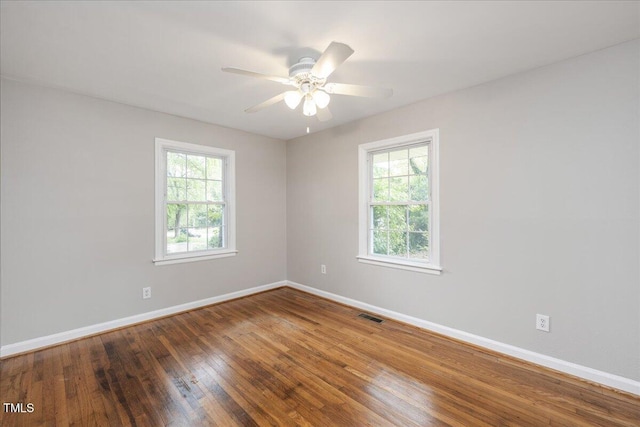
402,265
194,258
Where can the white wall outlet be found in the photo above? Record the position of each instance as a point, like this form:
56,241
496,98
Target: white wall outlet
542,322
146,292
323,269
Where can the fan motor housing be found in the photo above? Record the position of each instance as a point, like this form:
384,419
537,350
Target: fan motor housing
304,65
302,77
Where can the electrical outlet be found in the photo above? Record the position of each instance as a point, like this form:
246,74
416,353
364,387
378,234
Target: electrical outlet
146,292
323,269
542,322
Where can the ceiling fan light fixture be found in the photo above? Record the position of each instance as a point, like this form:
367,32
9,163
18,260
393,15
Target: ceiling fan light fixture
309,107
292,98
309,80
321,98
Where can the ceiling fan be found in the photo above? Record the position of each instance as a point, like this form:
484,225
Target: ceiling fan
309,78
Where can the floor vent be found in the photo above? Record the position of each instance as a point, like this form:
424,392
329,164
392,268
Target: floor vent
369,317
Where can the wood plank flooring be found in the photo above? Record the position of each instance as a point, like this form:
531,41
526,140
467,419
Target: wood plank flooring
288,358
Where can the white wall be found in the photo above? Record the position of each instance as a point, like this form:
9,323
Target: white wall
539,209
77,215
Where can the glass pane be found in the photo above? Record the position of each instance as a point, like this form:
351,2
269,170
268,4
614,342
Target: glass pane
171,219
398,218
176,164
419,151
176,218
419,245
214,191
214,168
380,221
176,246
214,237
197,239
195,166
399,162
176,221
418,186
381,189
380,165
176,189
197,216
380,242
398,243
214,215
399,189
418,218
418,165
195,190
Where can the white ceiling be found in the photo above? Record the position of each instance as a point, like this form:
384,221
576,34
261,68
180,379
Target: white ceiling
167,56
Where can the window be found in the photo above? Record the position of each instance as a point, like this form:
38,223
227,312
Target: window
399,212
195,194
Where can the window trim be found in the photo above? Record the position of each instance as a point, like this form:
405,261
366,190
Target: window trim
430,137
161,147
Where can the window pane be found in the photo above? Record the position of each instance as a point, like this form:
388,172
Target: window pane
197,216
214,168
418,186
197,239
214,215
214,191
381,189
176,231
176,164
195,190
176,189
398,218
380,242
177,245
176,218
214,237
380,165
419,151
418,165
398,243
418,245
399,162
380,221
171,219
399,189
195,166
418,218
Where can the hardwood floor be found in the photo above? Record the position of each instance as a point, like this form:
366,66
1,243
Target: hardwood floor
285,357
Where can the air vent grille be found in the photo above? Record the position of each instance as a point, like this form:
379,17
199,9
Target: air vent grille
370,317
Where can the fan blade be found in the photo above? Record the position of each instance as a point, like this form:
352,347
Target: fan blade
324,114
357,90
331,59
282,80
266,103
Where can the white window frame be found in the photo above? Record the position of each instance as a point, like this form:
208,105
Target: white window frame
228,156
365,255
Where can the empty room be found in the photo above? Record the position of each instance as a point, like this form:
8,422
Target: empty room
320,213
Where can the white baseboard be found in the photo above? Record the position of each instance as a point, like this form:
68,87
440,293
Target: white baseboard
49,340
594,375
